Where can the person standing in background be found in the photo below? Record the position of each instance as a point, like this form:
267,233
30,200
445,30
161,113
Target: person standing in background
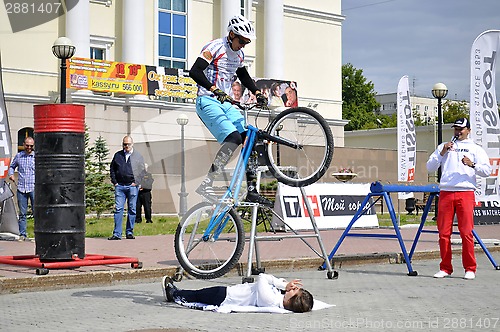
126,170
24,161
145,197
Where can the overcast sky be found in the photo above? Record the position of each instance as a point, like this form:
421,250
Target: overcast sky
428,40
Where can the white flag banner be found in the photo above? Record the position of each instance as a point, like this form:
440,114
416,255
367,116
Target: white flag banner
485,122
8,217
407,139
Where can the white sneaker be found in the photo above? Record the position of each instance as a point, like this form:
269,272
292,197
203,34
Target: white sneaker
441,274
469,275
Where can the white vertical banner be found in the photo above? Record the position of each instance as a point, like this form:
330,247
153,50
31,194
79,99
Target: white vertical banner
485,122
407,139
5,140
8,216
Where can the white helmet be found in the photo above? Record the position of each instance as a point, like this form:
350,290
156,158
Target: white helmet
241,26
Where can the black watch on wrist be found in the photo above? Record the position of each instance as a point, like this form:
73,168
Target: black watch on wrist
473,165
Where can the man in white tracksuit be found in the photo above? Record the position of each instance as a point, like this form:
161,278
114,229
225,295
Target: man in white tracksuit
460,161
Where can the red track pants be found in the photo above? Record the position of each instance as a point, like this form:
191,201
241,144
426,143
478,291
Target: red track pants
462,203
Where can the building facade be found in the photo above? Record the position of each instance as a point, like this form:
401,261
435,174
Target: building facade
425,107
170,33
386,139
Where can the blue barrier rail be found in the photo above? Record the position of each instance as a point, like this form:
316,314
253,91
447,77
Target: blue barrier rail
382,191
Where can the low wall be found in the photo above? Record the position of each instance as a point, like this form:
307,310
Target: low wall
370,165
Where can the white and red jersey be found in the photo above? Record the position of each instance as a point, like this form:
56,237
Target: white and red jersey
223,63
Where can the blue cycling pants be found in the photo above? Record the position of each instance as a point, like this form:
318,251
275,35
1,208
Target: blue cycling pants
220,119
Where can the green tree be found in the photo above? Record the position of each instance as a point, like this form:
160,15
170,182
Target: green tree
388,121
417,120
453,110
358,99
98,190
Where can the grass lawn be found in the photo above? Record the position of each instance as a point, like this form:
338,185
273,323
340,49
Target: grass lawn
103,227
161,225
405,219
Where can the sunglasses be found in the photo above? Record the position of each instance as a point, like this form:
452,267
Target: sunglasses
127,144
28,145
243,41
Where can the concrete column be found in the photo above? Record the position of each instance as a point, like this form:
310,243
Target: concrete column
133,33
274,39
249,6
229,8
77,26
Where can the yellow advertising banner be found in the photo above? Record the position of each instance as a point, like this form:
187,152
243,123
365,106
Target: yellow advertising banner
106,76
127,78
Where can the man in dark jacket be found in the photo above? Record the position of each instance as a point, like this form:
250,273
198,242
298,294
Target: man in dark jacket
145,197
126,170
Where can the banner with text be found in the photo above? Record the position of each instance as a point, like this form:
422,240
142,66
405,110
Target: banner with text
170,82
5,139
407,139
106,76
485,123
128,78
333,206
487,212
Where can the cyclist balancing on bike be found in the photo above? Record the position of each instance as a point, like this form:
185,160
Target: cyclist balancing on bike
217,67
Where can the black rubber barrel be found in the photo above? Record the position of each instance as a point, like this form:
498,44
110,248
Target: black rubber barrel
59,208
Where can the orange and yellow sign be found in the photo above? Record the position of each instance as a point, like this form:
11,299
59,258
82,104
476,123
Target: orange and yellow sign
106,76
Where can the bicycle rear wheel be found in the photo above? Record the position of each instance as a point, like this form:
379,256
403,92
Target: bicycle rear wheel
298,167
213,257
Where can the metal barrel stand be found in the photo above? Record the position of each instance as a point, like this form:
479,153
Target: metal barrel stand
254,238
59,207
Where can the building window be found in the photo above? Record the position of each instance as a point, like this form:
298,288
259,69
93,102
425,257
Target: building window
172,33
97,53
100,47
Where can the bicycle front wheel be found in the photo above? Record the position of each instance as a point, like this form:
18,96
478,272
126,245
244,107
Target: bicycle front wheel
308,160
213,256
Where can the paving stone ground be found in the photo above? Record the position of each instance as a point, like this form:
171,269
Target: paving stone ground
372,297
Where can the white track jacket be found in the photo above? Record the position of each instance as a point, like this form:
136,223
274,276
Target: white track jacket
455,176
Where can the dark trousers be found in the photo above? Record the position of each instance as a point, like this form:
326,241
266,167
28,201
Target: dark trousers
144,200
211,295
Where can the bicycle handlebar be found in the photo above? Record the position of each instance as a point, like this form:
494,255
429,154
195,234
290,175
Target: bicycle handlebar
246,107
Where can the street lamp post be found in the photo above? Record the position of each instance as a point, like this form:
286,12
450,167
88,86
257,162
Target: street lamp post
183,120
439,91
63,49
278,157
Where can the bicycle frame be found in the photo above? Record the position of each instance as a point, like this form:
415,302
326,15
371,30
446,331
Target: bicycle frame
230,197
